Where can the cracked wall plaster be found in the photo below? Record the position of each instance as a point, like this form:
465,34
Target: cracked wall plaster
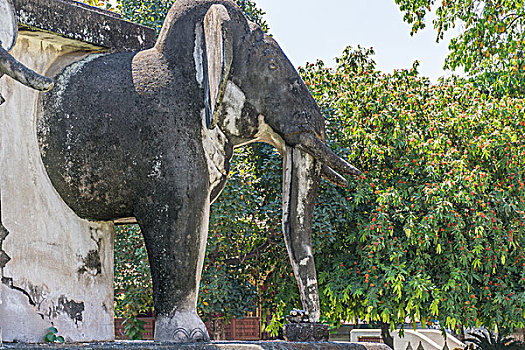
56,269
4,258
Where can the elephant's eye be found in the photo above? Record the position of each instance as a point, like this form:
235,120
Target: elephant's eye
272,65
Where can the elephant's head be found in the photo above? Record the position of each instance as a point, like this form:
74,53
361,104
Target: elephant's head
8,64
253,93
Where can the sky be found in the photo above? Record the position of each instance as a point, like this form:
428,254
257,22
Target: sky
308,30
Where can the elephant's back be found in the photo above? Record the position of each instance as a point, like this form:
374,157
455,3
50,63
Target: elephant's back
86,142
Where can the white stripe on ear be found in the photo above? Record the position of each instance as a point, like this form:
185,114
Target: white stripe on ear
218,56
198,52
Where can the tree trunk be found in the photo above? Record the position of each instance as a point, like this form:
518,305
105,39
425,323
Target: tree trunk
385,335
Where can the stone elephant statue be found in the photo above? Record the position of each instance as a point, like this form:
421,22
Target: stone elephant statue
150,135
8,64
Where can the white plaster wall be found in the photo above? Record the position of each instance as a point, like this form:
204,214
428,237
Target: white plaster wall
414,338
46,283
430,339
436,336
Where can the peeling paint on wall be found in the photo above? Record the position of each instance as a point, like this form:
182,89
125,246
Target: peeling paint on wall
92,264
70,307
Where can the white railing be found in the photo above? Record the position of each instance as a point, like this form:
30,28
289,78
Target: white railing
428,339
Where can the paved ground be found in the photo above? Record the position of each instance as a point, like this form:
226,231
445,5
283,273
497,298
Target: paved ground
232,345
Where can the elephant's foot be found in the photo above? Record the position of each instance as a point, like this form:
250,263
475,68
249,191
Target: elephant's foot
183,326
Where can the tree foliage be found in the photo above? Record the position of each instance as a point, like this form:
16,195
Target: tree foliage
434,229
490,47
243,235
133,290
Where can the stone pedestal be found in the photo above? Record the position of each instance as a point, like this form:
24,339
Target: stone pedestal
304,332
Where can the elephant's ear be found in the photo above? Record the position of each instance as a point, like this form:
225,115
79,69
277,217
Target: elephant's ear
8,25
218,56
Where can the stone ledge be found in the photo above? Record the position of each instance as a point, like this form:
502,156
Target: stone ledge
84,23
227,345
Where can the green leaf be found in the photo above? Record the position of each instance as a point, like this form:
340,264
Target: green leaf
50,338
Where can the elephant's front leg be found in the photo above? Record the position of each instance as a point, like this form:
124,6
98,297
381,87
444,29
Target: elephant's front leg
174,221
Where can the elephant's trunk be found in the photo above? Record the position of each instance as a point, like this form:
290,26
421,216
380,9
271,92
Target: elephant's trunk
301,176
16,70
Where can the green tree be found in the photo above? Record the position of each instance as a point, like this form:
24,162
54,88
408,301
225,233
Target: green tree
434,229
105,4
244,245
133,287
490,47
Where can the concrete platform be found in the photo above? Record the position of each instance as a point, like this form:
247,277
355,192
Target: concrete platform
230,345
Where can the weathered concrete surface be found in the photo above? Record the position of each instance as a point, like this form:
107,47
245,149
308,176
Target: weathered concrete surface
233,345
84,23
56,269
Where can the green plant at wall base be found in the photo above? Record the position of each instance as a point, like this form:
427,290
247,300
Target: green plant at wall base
52,337
435,228
277,321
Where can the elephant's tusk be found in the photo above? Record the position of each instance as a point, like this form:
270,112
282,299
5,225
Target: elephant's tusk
16,70
331,176
320,151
